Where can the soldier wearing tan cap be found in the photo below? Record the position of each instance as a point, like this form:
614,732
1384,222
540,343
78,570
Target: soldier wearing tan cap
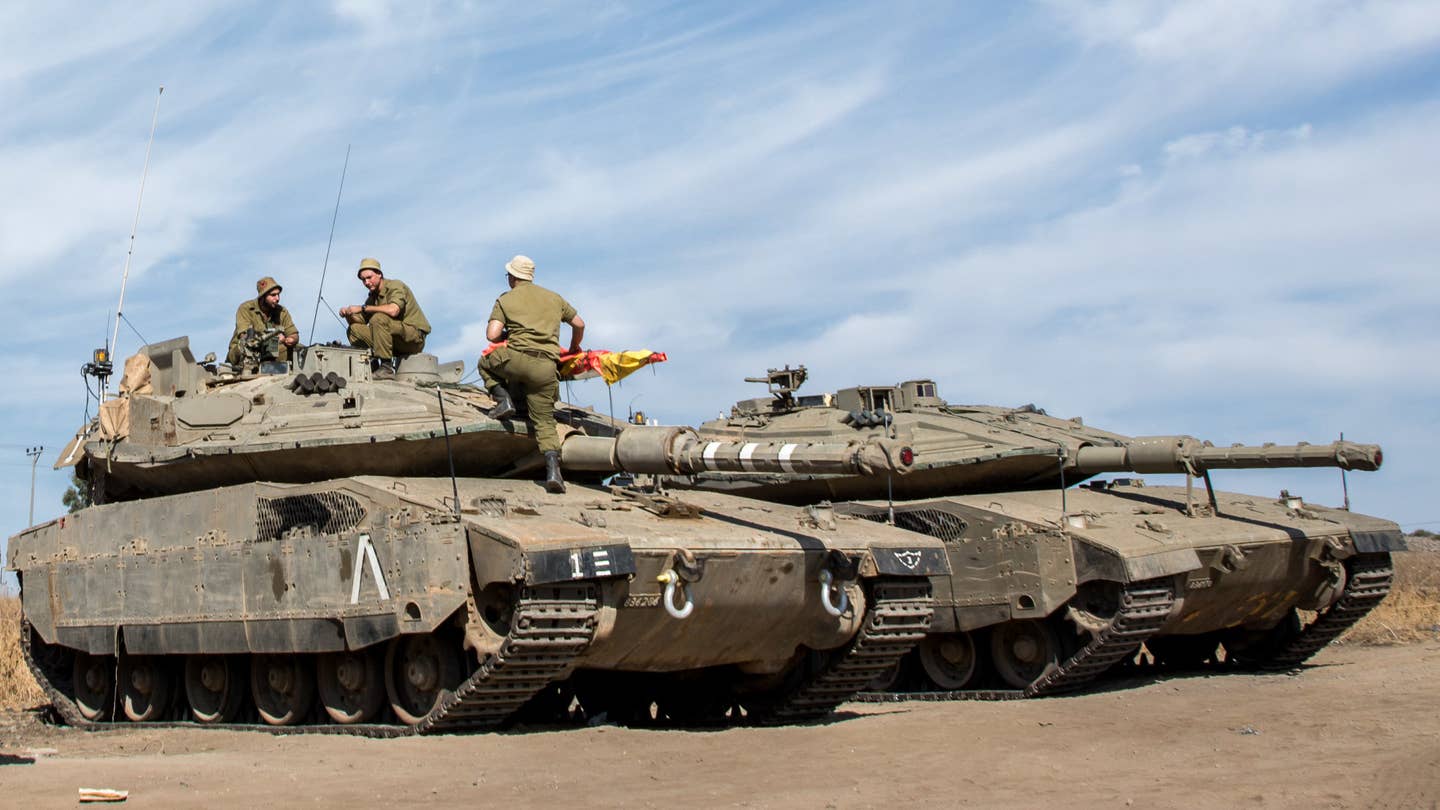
529,317
389,323
260,314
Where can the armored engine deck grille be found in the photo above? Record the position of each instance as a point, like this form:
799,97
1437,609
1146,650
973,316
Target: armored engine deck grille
328,512
943,525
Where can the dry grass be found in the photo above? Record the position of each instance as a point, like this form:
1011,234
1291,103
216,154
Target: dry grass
1412,610
18,689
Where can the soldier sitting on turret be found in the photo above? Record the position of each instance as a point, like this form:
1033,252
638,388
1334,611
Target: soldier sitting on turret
390,321
262,314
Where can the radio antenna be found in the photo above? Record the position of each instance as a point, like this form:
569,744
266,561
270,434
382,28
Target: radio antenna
319,294
125,277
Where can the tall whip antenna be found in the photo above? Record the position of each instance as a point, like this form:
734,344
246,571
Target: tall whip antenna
125,277
319,294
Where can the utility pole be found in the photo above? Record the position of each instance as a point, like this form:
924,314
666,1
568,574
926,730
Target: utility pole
34,454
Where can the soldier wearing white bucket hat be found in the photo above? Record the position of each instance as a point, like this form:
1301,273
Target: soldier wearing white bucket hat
528,318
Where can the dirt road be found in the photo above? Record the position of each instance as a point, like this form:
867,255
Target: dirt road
1359,727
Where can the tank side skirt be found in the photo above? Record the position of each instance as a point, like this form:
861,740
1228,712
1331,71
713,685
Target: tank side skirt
1144,607
551,627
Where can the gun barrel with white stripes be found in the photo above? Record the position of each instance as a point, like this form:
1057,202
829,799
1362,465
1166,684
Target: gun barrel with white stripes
681,451
1178,454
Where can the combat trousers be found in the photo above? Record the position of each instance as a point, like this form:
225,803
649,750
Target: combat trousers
541,378
385,336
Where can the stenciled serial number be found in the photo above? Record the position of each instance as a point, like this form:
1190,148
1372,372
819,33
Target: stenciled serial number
642,600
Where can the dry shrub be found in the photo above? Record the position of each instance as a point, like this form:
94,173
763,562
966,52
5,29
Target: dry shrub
1412,610
18,689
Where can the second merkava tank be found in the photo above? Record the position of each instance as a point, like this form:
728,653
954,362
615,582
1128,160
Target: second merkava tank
1053,579
306,545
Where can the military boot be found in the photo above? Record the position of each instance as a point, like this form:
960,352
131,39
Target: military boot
504,408
553,482
381,369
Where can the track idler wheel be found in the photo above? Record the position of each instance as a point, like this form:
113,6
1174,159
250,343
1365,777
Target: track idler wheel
215,686
352,685
283,687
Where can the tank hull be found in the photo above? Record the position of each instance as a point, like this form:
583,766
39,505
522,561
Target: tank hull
1237,574
378,568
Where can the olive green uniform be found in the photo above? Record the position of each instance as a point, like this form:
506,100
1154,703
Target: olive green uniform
532,316
252,315
385,336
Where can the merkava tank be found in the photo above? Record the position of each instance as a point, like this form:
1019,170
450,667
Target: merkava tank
292,549
1050,583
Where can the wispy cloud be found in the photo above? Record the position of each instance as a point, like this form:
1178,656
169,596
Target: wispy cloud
1198,217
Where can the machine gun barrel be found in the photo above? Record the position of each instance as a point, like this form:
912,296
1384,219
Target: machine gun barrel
680,451
1181,454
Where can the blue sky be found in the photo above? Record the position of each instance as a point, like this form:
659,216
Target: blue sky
1168,217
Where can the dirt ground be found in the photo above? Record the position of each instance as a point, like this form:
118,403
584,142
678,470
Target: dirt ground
1359,727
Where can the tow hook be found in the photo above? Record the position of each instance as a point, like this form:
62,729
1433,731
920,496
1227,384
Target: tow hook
1231,559
683,570
839,569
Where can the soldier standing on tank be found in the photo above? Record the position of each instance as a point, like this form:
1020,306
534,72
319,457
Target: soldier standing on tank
529,317
389,323
260,314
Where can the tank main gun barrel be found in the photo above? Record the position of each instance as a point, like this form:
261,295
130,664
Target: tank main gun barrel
1181,454
681,451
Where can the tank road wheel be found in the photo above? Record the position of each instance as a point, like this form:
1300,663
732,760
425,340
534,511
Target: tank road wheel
215,687
1024,651
146,687
418,670
283,687
352,685
94,680
948,660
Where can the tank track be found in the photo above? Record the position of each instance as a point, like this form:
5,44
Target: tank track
1144,607
1367,583
550,628
899,616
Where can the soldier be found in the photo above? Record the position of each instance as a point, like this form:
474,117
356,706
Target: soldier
260,314
390,321
531,316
